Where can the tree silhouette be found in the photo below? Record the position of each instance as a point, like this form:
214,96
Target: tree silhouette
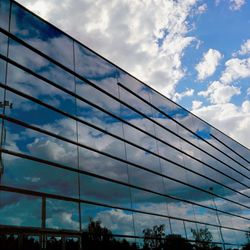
98,237
203,238
154,238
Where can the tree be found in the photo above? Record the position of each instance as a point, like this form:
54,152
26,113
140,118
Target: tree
153,238
203,238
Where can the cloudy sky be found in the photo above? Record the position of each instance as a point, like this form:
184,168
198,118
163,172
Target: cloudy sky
197,52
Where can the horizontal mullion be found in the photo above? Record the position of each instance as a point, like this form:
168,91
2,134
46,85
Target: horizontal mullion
152,120
107,93
57,165
75,200
126,122
115,136
111,156
224,144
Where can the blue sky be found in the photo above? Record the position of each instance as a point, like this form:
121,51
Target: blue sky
196,52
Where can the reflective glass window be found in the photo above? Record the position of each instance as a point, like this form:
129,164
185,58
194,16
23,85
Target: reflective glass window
41,90
145,179
4,14
41,66
148,202
103,191
99,118
178,228
142,158
3,42
35,176
40,116
102,165
27,141
98,219
145,222
96,69
62,214
100,141
2,72
42,35
20,210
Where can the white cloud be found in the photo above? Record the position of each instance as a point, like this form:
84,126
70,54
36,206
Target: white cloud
196,104
179,96
208,64
248,91
153,35
231,119
218,92
245,48
236,69
202,8
236,4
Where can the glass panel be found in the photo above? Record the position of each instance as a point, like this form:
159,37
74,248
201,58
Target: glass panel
20,210
147,180
102,165
135,102
98,118
142,158
148,202
96,69
4,14
106,221
45,92
35,176
62,214
136,119
3,41
237,147
40,116
179,209
42,35
2,74
133,84
100,141
97,97
146,222
98,190
41,66
30,142
177,227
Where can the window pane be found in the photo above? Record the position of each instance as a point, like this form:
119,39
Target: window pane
107,192
42,35
62,214
96,219
35,176
20,210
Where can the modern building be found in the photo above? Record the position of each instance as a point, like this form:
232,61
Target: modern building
92,157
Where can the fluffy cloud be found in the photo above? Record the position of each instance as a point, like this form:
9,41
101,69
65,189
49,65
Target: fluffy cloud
245,48
208,64
218,92
236,4
230,119
236,69
179,96
128,31
196,104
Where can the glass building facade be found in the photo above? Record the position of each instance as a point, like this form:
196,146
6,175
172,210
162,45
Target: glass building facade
93,158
